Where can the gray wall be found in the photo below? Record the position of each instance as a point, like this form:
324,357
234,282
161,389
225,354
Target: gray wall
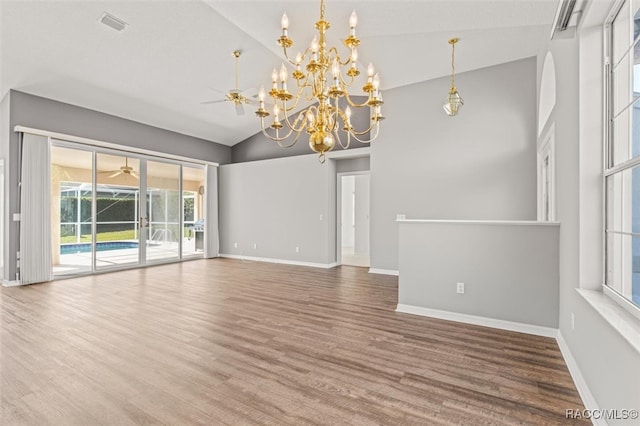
608,363
277,204
510,271
46,114
362,214
480,164
361,164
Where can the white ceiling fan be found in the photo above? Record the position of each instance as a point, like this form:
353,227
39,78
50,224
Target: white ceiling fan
235,95
125,170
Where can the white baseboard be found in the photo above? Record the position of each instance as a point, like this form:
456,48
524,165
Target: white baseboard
476,320
578,379
384,271
281,261
14,283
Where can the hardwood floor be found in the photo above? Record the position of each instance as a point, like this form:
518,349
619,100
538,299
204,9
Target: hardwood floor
231,342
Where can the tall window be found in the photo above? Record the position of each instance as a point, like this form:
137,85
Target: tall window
622,169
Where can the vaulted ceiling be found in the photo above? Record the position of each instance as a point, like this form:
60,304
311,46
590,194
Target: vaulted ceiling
175,55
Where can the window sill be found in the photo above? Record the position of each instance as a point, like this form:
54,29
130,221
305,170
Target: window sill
626,324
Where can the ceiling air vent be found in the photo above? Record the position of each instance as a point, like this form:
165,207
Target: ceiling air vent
111,21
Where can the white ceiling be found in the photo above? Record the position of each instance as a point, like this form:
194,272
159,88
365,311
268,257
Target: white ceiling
174,54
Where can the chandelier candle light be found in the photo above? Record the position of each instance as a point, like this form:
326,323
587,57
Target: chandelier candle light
323,82
453,102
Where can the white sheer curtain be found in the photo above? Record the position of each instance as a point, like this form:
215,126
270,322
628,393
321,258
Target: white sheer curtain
35,211
212,243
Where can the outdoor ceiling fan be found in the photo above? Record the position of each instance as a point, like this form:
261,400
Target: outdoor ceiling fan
235,95
123,170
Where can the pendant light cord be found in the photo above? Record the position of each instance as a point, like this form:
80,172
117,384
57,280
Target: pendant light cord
453,67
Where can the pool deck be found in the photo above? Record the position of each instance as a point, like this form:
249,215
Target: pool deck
78,263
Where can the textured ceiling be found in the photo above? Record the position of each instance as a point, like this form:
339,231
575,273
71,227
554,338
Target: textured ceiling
174,55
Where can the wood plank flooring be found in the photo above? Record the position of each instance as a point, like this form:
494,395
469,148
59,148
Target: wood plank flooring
232,342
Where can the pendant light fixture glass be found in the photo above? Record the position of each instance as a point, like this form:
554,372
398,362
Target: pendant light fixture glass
454,101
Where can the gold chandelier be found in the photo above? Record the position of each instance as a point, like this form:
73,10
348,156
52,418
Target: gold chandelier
322,82
454,101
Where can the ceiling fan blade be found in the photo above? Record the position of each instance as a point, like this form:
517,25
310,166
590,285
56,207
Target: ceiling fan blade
135,175
217,90
214,102
119,172
239,108
250,93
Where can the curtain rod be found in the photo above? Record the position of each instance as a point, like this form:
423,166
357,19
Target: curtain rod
102,144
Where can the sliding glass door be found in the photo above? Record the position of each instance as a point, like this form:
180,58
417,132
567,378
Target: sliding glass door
117,191
113,210
71,211
163,211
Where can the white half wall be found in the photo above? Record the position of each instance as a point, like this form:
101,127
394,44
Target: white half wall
509,270
270,208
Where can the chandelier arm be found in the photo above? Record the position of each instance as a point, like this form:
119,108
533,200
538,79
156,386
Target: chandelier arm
355,133
286,55
304,85
292,107
371,138
337,56
303,55
277,138
356,105
344,82
333,116
343,146
295,140
301,116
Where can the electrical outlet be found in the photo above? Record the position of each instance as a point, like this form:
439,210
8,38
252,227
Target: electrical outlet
460,288
297,249
235,245
255,246
321,216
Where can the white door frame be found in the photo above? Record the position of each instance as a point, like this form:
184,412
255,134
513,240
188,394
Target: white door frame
339,210
547,149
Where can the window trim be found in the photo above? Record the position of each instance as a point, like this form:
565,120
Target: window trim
609,167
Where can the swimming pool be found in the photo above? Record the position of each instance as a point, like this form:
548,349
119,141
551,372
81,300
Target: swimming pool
101,246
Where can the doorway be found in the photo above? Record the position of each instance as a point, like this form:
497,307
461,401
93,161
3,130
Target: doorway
112,209
353,219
